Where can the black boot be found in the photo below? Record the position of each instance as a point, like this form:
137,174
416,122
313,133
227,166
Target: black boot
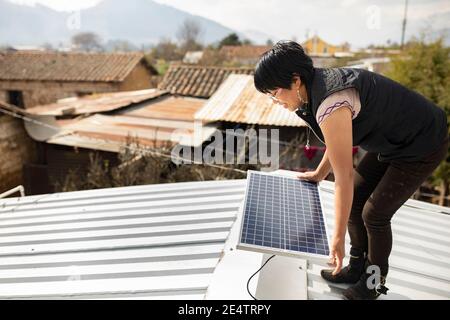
362,289
349,274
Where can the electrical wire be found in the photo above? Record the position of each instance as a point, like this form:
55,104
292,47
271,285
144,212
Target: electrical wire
145,150
249,279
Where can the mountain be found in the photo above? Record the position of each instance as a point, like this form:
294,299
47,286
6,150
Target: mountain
140,22
257,37
21,24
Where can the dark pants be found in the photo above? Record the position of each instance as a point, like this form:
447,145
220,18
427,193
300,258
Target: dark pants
380,190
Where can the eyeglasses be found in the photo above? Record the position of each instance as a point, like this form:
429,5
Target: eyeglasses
273,96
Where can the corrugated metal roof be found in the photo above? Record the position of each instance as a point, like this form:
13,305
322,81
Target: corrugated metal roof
197,81
69,66
100,102
154,122
167,241
420,259
146,242
149,131
237,100
419,263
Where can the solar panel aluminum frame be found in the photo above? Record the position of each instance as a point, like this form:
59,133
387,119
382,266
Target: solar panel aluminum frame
279,251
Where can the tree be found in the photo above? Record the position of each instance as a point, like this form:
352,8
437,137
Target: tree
121,45
213,57
425,67
188,34
167,50
230,40
269,42
48,46
87,41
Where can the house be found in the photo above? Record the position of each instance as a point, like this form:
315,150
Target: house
237,100
379,65
30,78
189,87
243,54
237,104
315,46
197,81
67,132
192,57
178,241
33,78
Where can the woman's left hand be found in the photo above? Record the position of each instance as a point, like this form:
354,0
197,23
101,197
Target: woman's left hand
337,253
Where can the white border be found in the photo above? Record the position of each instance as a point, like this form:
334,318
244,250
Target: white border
278,251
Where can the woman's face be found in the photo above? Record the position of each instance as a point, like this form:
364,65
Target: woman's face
287,98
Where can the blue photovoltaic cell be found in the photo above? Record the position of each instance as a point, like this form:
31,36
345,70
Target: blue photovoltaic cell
284,213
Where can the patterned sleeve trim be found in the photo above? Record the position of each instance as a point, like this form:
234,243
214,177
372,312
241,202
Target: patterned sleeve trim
345,98
330,109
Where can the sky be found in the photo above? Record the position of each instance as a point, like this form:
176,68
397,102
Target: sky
359,22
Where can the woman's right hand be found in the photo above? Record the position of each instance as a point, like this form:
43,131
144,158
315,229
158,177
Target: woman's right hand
313,176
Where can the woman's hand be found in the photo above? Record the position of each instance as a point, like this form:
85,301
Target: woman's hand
337,253
313,176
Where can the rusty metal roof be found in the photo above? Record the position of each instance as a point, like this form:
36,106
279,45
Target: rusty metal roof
237,100
102,102
170,108
154,122
197,81
69,66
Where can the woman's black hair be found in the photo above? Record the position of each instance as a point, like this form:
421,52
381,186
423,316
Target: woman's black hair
278,66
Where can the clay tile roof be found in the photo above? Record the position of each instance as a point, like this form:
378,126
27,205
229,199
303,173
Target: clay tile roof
244,52
63,66
197,81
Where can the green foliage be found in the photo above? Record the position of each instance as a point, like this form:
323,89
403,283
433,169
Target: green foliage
230,40
425,67
162,66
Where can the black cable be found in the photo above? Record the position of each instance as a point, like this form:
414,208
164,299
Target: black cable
248,282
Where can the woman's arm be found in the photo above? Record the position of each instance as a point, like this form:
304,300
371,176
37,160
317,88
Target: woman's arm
324,167
337,131
321,172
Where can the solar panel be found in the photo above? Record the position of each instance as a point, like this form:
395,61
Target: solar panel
283,215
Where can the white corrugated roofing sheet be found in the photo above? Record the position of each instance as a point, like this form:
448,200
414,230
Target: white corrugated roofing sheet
169,241
147,242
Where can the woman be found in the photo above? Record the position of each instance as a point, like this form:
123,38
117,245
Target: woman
404,134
